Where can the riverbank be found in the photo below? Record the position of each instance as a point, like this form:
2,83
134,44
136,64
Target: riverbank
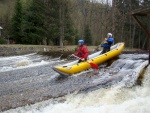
54,51
10,50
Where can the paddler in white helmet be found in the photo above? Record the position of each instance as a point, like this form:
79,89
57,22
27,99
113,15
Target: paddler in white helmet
109,40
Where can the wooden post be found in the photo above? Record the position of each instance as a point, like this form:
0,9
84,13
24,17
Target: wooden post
149,49
146,31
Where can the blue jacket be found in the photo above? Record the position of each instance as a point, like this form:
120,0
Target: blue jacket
108,42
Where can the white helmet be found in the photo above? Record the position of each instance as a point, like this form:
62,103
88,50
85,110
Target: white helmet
109,34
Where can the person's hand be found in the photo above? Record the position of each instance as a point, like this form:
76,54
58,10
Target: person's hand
105,38
69,56
72,55
83,59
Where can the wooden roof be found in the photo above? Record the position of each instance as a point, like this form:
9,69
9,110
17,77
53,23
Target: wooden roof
142,11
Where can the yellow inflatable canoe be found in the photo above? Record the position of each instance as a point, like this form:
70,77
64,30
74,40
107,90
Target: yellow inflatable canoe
75,67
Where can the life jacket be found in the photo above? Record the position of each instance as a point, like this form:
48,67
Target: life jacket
82,52
108,42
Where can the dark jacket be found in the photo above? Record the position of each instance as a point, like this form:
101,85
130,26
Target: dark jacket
108,42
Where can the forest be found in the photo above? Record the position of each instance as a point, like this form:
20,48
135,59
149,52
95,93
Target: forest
64,22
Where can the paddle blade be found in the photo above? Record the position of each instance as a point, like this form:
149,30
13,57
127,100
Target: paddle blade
94,65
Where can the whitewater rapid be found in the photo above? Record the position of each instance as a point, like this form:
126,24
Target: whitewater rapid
114,99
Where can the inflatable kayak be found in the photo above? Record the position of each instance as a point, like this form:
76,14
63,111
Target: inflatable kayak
95,58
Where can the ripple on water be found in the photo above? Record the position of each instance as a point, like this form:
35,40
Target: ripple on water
114,99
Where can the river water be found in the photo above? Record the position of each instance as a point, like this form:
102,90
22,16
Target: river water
117,98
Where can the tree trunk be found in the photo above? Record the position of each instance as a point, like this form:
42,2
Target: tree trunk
144,43
122,29
113,15
139,39
133,35
61,20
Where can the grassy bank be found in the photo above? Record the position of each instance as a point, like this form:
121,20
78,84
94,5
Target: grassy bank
16,49
54,51
65,48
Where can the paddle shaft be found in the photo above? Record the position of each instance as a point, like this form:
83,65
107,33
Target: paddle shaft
76,56
92,64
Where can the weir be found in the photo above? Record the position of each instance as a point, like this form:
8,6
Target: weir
36,81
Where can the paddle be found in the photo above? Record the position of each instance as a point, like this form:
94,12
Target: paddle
95,66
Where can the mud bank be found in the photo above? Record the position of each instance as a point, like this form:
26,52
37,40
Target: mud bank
11,50
53,51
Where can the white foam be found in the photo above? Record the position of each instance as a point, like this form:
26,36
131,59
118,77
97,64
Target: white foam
115,99
22,61
111,100
16,57
23,64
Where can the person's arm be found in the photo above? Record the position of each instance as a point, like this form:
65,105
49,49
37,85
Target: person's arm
76,54
110,40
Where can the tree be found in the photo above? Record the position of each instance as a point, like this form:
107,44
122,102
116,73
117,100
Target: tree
52,22
16,31
69,32
34,31
59,23
87,35
124,25
56,21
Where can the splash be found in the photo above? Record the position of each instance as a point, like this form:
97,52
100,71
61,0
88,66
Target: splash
23,63
115,99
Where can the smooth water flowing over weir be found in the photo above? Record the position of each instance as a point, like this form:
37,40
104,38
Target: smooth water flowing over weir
29,79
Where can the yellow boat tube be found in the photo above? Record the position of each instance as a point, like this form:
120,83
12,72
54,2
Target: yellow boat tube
75,67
